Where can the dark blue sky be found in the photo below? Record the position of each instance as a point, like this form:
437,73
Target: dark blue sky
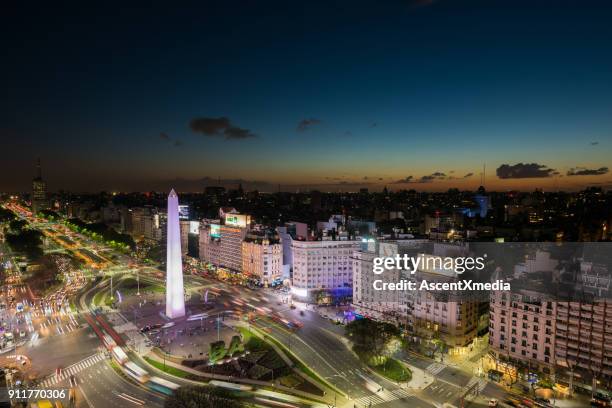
385,90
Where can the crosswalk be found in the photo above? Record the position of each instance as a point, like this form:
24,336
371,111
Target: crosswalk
382,397
61,327
73,369
482,383
435,368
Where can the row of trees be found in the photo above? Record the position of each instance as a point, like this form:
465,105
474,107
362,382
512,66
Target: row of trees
103,232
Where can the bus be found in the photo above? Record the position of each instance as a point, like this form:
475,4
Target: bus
136,372
164,386
108,341
119,355
231,386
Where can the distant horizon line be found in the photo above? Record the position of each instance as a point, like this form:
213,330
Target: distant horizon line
606,189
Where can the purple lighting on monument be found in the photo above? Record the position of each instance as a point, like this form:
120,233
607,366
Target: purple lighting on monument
175,292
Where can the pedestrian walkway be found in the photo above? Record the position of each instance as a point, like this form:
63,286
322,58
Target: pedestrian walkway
482,383
73,369
368,401
435,368
382,397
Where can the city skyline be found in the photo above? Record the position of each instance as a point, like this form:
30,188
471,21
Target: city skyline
404,94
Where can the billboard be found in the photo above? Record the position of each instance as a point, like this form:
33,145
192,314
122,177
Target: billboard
194,227
215,230
183,211
237,220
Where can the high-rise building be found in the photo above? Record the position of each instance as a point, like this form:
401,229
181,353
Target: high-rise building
210,235
39,191
175,292
230,247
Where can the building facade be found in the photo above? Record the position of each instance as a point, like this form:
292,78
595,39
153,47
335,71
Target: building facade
263,259
322,265
39,191
422,314
566,339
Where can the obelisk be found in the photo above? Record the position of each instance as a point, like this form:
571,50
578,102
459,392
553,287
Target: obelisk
175,292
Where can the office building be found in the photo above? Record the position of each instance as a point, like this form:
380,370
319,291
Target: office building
39,191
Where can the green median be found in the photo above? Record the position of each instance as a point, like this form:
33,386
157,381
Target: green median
168,369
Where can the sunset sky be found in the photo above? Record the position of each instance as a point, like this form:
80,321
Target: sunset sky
330,95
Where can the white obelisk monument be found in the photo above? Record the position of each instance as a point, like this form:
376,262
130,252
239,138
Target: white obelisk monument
175,292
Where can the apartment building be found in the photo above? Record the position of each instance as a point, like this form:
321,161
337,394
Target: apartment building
522,329
567,338
262,258
323,265
420,312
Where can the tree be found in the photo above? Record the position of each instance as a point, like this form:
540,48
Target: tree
202,397
17,225
6,215
370,337
27,241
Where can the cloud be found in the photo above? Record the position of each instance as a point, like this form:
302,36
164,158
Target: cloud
594,143
306,124
468,175
222,127
424,179
581,171
523,170
408,179
166,138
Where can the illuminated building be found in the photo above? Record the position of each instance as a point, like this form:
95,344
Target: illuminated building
455,322
568,339
262,258
322,266
221,245
209,241
175,292
230,247
39,191
185,226
147,222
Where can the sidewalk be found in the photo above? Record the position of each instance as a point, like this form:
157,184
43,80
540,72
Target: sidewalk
420,378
